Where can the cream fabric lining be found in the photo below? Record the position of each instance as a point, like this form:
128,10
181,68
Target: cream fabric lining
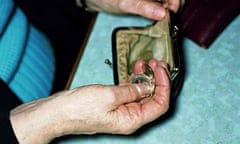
143,43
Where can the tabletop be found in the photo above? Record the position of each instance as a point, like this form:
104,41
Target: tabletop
208,107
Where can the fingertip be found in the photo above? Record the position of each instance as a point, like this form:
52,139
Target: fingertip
138,66
159,13
139,62
152,63
152,10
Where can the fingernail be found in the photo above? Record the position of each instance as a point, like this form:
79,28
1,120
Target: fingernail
143,90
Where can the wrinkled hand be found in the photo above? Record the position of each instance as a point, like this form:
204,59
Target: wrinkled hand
113,109
93,109
147,8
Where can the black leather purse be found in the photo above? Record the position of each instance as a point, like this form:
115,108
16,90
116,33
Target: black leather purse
159,41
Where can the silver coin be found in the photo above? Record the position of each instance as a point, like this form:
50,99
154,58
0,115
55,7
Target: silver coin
147,78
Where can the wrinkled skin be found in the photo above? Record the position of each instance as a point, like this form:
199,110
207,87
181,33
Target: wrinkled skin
93,109
146,8
99,108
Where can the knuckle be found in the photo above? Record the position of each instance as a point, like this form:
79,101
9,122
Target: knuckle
129,91
132,90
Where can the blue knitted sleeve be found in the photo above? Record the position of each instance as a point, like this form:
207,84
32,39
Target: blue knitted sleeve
27,61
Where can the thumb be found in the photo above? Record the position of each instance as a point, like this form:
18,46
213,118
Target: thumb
130,93
146,8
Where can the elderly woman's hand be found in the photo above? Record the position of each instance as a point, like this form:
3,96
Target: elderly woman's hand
93,109
147,8
117,109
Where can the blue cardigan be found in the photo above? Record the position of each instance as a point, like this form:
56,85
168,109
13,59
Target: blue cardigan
26,56
27,64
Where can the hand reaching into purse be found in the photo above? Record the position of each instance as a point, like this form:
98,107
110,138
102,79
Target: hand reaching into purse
155,10
93,109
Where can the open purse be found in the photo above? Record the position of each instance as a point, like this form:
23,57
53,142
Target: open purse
158,41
